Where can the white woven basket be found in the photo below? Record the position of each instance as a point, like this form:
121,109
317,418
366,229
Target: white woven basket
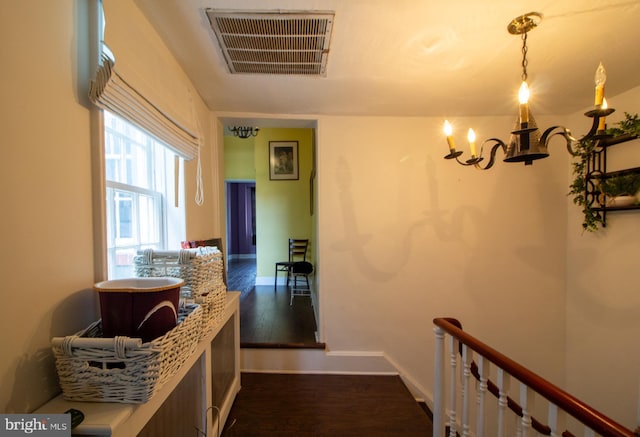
123,369
213,305
201,269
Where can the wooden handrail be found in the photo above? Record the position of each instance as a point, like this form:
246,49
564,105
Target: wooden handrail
590,417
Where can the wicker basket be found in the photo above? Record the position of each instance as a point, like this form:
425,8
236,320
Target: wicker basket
201,269
123,369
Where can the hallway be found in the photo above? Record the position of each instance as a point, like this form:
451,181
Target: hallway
267,319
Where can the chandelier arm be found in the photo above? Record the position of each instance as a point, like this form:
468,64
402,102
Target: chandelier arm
454,154
468,162
492,156
594,127
565,133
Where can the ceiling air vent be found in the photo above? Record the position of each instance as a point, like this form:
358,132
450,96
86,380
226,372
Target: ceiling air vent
280,43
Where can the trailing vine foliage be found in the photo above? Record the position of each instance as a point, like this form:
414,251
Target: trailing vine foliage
623,185
583,150
630,125
578,188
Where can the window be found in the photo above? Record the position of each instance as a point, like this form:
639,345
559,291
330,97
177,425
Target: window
141,206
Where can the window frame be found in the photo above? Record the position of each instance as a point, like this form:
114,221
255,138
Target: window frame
174,174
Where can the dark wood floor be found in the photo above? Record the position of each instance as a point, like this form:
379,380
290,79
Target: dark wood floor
325,405
266,317
241,275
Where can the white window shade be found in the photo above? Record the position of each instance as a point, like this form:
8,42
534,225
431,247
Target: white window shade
111,91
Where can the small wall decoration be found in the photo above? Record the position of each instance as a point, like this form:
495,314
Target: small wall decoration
283,160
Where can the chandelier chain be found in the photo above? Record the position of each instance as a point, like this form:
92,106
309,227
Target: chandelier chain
525,62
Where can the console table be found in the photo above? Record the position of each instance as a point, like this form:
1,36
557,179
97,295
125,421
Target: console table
198,397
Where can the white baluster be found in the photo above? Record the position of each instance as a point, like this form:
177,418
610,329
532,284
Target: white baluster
483,371
466,389
438,389
503,388
588,432
553,419
453,362
526,402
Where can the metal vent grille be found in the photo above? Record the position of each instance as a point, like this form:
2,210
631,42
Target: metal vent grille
273,43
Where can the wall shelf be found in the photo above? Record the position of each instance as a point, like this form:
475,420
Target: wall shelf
597,171
211,376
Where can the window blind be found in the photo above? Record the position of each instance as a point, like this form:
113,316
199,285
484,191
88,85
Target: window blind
109,90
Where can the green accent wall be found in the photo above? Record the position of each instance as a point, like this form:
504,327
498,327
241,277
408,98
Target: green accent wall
239,161
282,206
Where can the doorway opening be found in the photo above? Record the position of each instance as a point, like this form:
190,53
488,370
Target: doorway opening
241,220
261,215
241,236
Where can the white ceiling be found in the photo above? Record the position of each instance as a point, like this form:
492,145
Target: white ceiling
419,57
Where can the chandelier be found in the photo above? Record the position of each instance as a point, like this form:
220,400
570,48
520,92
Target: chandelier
525,143
244,131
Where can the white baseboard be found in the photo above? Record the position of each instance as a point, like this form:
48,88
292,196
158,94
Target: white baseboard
266,280
313,361
417,390
318,361
242,256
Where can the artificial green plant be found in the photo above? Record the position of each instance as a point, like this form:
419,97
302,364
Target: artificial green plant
583,150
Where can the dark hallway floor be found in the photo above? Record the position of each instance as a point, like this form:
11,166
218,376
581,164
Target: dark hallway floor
241,275
325,405
266,317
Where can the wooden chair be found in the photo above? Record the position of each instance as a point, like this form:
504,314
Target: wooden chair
297,253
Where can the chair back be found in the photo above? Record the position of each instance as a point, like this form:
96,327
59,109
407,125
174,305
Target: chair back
298,249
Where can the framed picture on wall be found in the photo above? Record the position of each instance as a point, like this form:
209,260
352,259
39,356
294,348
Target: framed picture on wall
283,160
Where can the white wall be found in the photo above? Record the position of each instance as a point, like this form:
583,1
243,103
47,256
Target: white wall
45,178
406,236
603,296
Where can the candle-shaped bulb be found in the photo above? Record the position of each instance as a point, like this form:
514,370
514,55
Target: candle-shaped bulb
600,80
523,93
471,136
523,98
448,131
601,75
601,122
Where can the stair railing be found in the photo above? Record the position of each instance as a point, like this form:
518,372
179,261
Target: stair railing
513,417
